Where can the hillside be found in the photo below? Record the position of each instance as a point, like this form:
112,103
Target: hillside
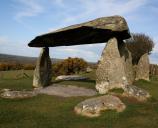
25,60
21,59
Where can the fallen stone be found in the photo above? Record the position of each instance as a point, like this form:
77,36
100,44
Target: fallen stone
136,92
10,94
71,77
92,107
4,90
142,68
66,91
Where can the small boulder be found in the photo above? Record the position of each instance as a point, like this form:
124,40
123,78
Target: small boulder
93,106
71,77
138,93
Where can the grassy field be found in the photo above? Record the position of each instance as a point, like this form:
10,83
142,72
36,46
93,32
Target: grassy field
45,111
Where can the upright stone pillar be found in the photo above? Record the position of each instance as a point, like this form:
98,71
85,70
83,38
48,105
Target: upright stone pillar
43,71
111,71
127,61
142,68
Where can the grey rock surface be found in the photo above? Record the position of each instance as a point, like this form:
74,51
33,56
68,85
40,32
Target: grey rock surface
136,92
127,61
95,31
43,71
71,77
55,90
111,68
142,68
10,94
92,107
66,91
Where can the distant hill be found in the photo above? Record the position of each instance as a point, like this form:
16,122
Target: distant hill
21,59
25,60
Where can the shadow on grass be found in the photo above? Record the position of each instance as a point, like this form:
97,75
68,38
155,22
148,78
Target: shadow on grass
86,81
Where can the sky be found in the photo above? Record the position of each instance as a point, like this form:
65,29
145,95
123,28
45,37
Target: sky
23,20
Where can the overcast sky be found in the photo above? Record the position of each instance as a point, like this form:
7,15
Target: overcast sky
22,20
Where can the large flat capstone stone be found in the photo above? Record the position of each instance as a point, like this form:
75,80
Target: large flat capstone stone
95,31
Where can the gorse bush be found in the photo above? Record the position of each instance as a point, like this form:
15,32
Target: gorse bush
138,45
28,66
69,66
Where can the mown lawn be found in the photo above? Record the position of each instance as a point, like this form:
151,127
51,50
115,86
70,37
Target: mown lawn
45,111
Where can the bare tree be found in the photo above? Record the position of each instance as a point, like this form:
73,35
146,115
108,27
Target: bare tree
138,45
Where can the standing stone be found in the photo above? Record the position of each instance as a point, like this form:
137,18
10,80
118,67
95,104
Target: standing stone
127,61
43,71
110,72
142,69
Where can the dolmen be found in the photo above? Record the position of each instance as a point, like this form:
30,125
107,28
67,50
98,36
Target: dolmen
112,30
115,69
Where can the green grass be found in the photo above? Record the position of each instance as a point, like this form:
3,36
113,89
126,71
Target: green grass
151,86
117,90
45,111
14,80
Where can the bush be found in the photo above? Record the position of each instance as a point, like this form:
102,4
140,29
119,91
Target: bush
138,45
15,66
10,66
28,67
69,66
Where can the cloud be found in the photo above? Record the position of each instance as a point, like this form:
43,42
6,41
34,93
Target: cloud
83,10
8,46
67,12
154,55
59,3
3,40
99,8
75,51
155,50
28,8
154,58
